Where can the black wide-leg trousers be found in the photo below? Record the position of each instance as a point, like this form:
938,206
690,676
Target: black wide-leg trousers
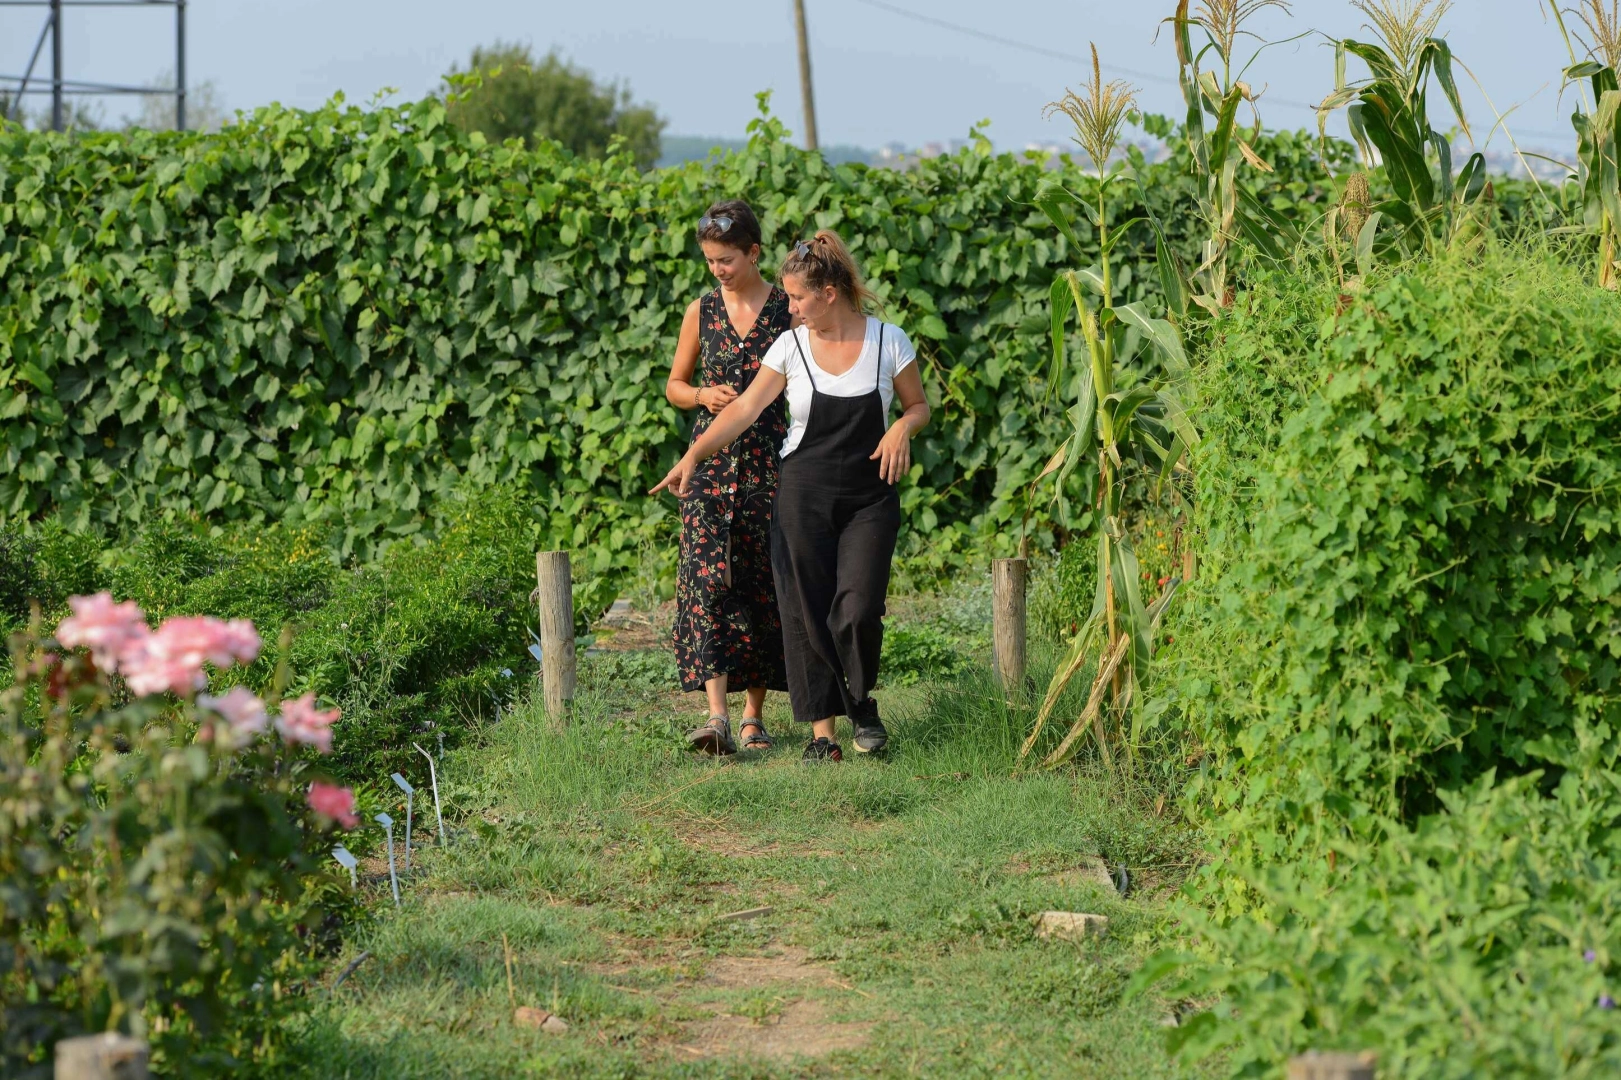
831,546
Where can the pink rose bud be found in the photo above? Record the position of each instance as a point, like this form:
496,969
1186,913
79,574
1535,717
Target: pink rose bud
331,801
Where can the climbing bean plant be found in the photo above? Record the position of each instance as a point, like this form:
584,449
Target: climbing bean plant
341,315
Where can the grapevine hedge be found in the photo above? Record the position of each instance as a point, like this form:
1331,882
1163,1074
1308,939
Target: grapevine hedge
342,315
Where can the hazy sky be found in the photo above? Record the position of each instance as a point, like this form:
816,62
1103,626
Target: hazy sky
880,76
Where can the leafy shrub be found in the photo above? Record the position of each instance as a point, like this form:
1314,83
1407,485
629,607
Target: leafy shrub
71,563
44,564
912,653
1483,941
427,637
1400,671
19,572
159,872
1429,587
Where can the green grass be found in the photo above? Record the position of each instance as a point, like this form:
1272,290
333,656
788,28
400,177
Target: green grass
605,854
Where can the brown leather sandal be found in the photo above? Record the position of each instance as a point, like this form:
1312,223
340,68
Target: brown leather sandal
714,737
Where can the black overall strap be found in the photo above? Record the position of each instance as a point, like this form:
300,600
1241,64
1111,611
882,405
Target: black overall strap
803,359
878,379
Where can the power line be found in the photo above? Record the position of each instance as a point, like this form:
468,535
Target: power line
1041,50
1084,61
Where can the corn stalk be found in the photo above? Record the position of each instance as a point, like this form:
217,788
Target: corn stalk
1389,112
1598,133
1218,150
1114,418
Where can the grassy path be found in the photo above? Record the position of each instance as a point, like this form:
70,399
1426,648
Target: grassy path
899,942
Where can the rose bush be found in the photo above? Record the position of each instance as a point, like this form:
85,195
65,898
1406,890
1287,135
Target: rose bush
160,851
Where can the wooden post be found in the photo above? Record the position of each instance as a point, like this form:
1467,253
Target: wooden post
107,1056
1318,1065
556,594
1007,601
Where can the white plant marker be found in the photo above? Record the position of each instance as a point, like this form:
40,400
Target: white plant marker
433,777
405,785
393,879
347,861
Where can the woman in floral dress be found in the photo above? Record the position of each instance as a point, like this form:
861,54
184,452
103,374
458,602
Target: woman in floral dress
728,635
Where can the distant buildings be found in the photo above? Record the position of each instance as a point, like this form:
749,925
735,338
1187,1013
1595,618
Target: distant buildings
1508,163
897,155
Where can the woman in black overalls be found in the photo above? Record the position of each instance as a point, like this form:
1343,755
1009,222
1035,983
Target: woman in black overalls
837,512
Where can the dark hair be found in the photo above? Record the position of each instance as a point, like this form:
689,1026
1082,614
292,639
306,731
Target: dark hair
744,231
823,260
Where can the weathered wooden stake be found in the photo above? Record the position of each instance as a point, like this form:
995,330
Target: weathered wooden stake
107,1056
1007,591
556,595
1320,1065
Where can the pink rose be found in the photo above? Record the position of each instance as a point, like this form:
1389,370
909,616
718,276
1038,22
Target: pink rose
301,722
241,708
193,639
149,669
173,657
102,626
331,801
241,640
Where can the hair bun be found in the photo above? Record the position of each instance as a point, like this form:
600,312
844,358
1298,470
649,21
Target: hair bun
822,262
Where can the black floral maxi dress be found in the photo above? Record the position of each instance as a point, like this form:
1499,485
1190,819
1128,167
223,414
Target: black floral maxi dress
719,630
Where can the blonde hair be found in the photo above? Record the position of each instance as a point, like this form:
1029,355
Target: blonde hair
823,260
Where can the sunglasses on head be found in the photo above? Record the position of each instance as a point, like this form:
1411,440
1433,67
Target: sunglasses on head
719,221
803,249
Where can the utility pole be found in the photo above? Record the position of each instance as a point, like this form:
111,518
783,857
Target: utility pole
56,65
805,91
180,65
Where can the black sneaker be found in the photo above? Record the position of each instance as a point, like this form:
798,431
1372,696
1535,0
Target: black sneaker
871,738
823,750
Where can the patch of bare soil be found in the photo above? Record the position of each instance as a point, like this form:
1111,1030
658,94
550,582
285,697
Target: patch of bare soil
801,1030
793,1027
722,841
789,1016
1089,872
789,967
624,629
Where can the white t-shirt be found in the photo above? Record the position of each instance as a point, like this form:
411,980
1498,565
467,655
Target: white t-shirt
784,357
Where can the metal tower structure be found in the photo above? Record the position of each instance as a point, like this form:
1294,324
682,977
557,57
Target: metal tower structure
61,87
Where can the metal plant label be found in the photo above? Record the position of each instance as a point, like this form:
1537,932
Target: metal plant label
393,879
405,785
347,860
